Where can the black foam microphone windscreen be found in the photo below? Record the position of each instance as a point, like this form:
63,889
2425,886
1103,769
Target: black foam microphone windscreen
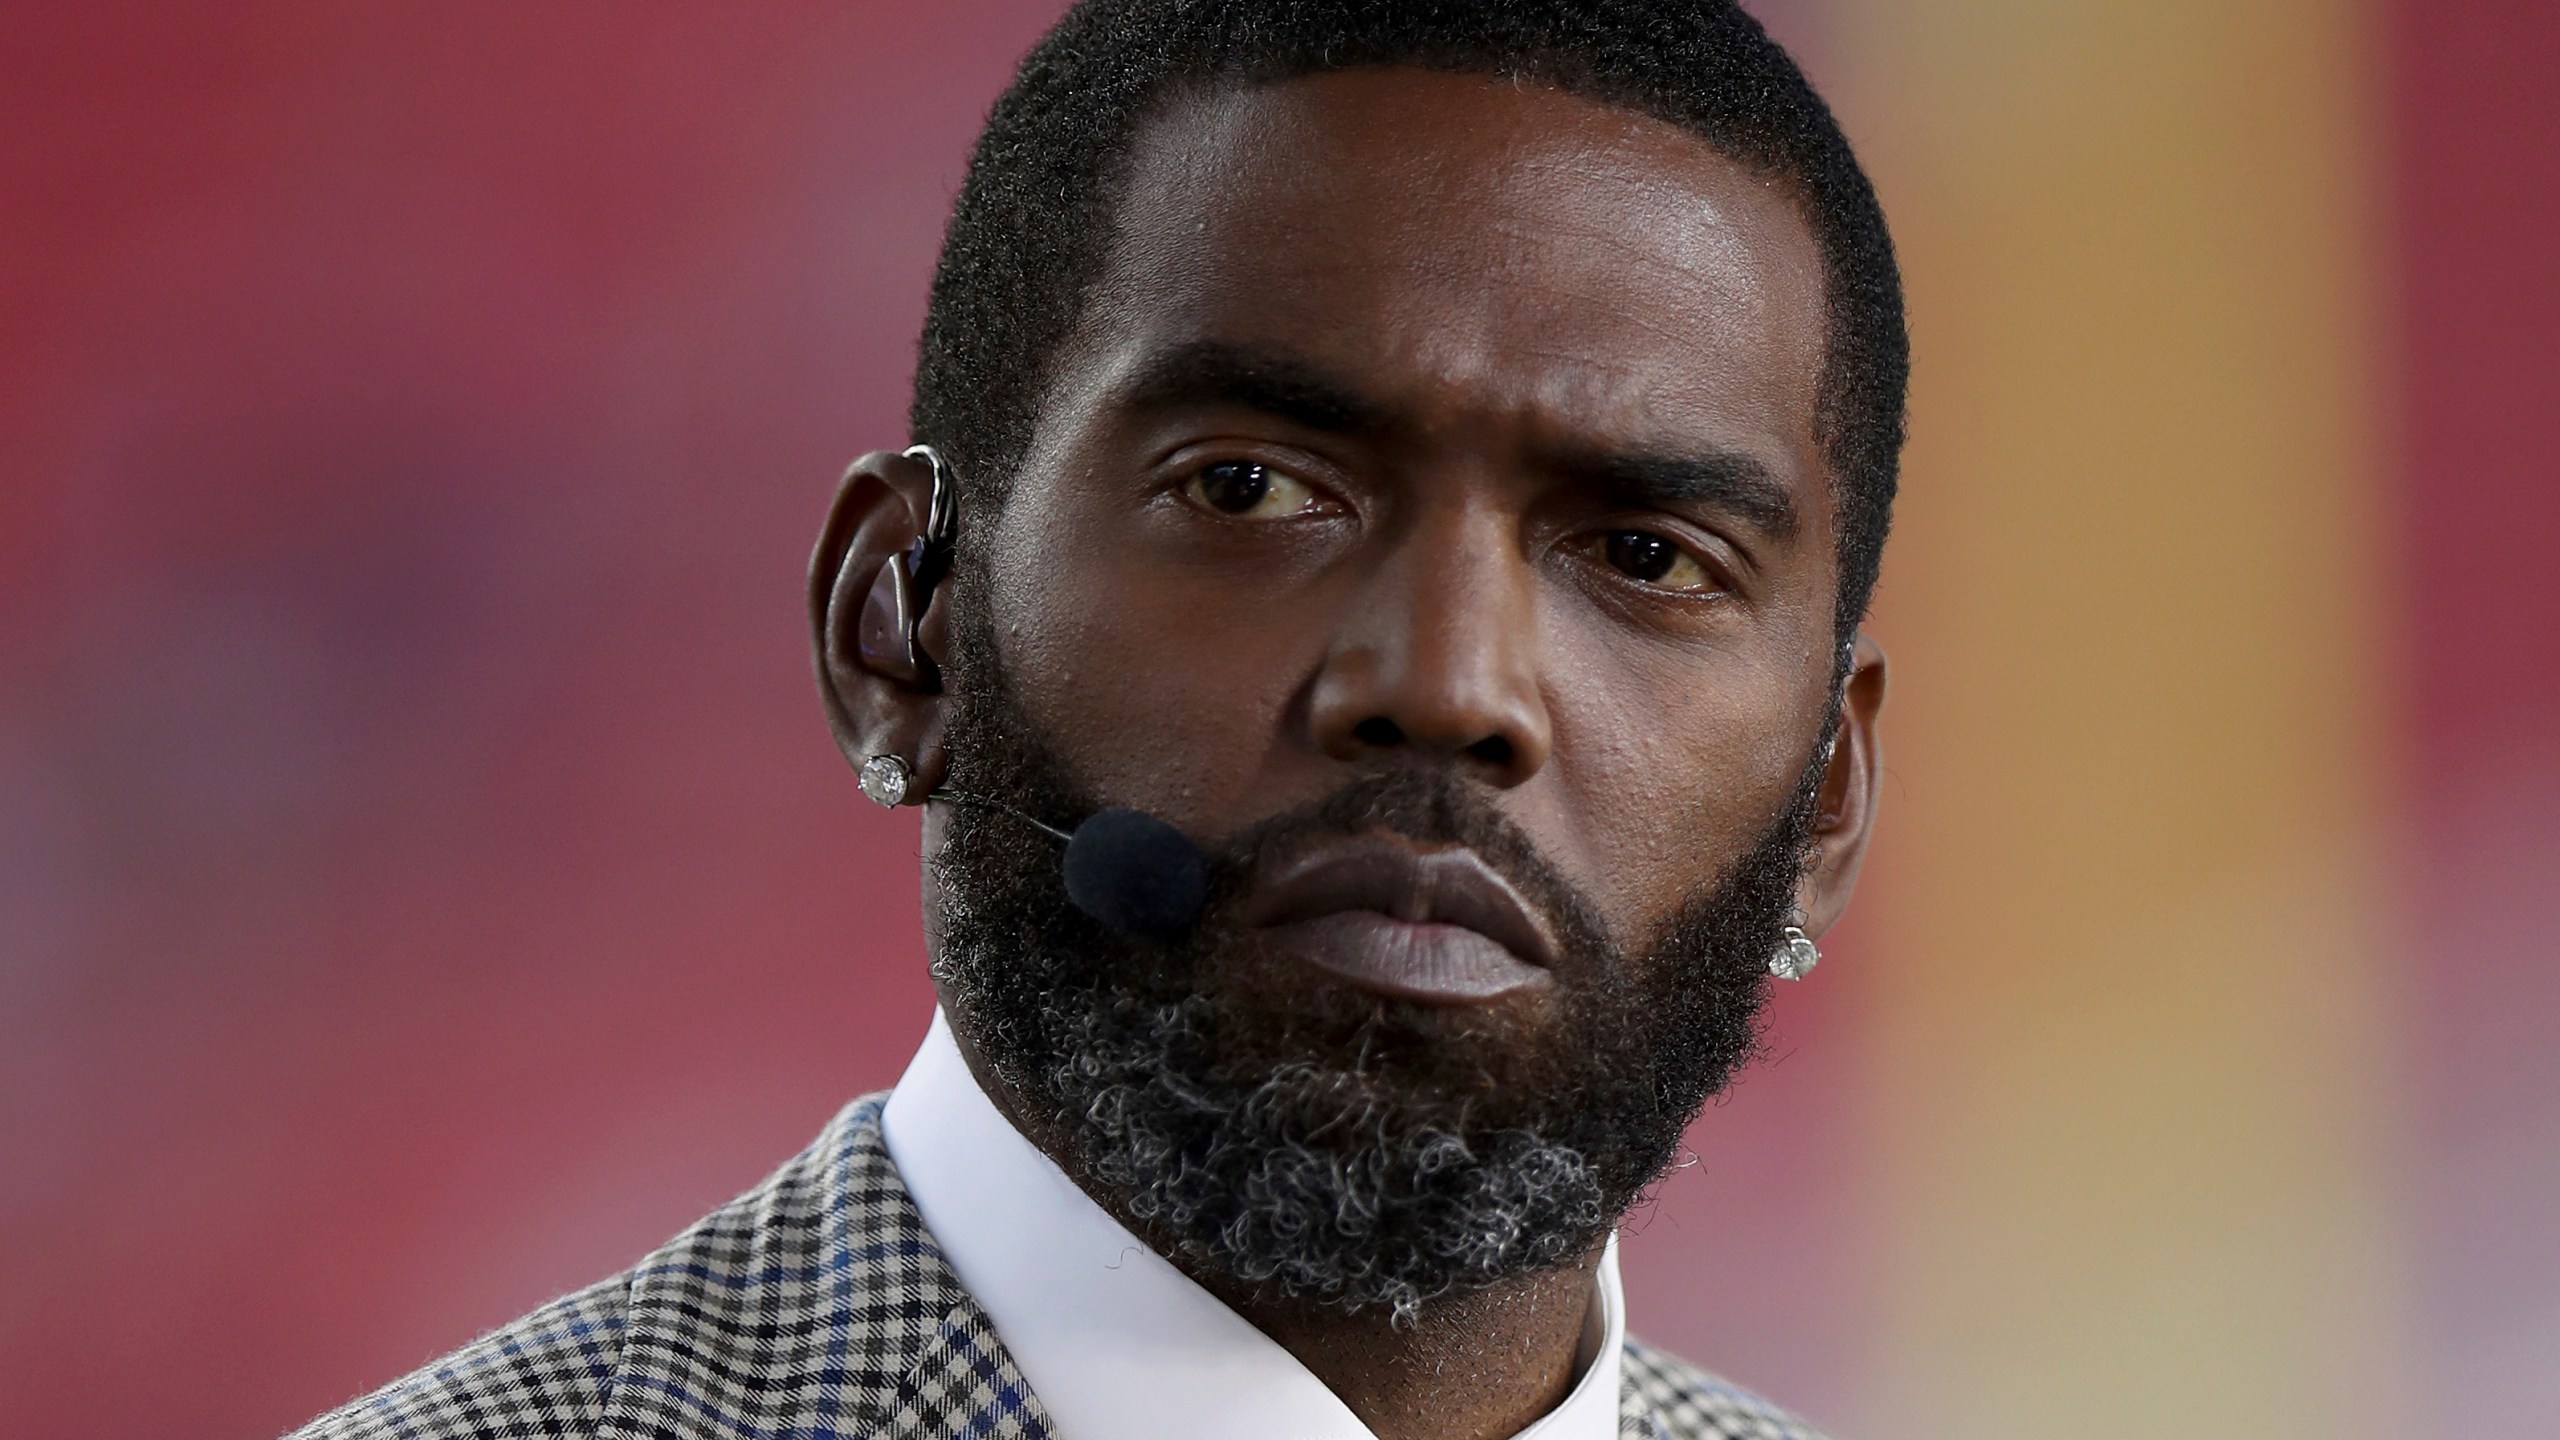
1135,873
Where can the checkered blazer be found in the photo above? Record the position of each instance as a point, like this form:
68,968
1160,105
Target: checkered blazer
816,1305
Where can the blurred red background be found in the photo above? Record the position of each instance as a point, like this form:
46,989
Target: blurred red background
425,879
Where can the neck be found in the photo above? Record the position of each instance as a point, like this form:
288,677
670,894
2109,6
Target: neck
1481,1366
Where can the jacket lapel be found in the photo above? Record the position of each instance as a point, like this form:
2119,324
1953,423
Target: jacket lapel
815,1304
964,1384
1635,1411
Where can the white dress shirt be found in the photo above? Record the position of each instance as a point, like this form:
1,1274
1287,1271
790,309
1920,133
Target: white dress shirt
1116,1342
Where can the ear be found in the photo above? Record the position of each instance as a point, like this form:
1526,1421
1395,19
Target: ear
1847,807
882,696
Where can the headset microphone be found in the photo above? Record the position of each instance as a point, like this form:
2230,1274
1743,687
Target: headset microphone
1124,867
1136,874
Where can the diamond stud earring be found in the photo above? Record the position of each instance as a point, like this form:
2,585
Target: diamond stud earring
1795,956
886,778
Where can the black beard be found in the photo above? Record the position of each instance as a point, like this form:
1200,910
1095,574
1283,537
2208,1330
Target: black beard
1315,1142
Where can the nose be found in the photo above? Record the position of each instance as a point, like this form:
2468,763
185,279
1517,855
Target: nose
1438,657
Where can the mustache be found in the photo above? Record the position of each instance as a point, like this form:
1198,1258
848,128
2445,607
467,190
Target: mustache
1427,804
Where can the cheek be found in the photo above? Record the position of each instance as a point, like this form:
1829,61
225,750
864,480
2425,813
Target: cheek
1159,686
1668,765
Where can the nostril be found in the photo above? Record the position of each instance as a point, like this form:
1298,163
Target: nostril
1493,750
1378,732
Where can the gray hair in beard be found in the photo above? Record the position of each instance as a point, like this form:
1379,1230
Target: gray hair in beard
1358,1152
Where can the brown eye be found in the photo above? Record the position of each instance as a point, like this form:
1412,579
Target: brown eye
1248,491
1653,559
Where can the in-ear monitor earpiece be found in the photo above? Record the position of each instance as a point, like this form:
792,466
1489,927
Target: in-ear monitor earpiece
889,632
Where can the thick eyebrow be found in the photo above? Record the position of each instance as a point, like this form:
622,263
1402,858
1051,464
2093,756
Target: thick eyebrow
1218,372
1727,480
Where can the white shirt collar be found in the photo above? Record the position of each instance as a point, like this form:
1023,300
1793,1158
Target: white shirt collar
1116,1342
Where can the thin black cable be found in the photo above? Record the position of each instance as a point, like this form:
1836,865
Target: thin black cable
955,797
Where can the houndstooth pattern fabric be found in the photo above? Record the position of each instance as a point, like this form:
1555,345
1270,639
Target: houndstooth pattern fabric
817,1307
1679,1401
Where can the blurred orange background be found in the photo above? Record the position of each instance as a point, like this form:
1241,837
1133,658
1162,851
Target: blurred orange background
426,882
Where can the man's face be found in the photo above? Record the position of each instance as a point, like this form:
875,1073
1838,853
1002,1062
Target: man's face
1426,417
1426,514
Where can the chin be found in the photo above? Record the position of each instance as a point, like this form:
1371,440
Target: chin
1272,1012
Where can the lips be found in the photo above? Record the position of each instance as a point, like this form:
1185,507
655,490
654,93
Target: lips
1433,925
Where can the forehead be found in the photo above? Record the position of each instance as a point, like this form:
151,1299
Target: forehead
1474,250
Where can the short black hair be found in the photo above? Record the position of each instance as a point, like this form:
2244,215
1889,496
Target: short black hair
1033,221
